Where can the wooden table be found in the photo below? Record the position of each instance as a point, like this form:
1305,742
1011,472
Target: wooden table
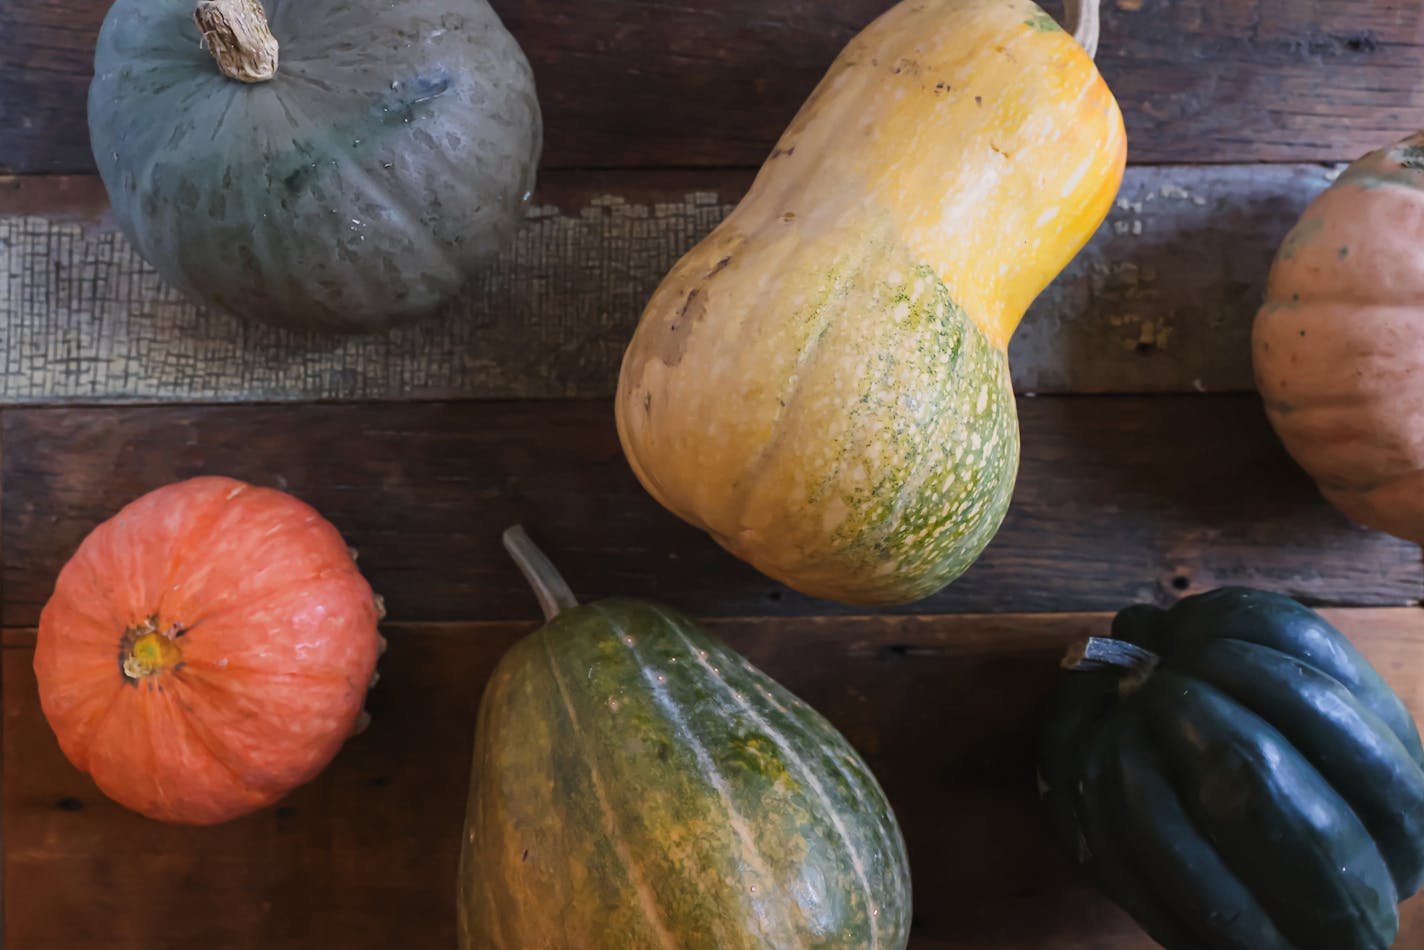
1148,470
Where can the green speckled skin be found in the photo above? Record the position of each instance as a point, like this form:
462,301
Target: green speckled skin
637,784
1261,789
392,153
952,450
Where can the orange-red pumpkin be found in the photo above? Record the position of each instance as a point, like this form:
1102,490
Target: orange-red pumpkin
1338,346
206,650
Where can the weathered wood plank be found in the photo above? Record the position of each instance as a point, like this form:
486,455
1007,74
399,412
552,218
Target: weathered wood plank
1119,499
1160,301
944,709
639,83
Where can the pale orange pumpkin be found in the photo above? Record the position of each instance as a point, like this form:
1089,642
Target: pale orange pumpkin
1338,346
206,650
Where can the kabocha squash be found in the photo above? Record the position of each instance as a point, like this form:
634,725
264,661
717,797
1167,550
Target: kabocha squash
1338,345
822,383
207,650
638,784
1235,775
344,167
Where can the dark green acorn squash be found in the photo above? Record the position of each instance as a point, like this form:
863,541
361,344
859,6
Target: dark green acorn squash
1235,775
347,168
638,784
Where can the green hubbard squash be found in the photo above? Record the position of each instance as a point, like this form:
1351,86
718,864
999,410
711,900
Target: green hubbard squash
822,384
1235,775
322,163
637,784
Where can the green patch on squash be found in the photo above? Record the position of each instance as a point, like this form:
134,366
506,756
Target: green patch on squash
1043,23
1302,232
950,453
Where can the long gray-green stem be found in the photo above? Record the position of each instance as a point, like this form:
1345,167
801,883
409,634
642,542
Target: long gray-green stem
549,586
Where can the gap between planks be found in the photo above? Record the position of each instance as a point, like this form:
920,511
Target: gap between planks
931,634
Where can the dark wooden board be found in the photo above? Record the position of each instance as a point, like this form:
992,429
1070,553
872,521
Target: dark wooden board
943,708
1119,499
1161,300
655,83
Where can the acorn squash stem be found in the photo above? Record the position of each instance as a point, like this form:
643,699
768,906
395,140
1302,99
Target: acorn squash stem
549,586
1105,653
237,34
1083,15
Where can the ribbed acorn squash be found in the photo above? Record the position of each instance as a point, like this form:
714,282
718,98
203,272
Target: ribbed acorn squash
822,383
638,784
1235,775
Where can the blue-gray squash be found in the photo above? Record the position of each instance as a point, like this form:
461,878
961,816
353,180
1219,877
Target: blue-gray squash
333,164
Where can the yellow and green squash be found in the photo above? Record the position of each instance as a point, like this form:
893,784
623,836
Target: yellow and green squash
638,784
822,383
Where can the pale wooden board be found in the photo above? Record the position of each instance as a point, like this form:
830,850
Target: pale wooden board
1160,301
944,709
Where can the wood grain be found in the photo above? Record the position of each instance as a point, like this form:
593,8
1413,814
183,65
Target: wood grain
943,708
1119,499
654,83
1160,301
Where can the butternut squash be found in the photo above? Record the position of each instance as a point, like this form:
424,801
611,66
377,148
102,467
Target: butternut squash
822,384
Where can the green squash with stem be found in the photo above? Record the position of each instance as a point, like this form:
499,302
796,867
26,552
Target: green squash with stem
638,784
1236,776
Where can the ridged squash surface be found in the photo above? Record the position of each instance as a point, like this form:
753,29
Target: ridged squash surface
637,784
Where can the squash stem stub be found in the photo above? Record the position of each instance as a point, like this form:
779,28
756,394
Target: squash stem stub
145,650
237,34
1105,653
550,588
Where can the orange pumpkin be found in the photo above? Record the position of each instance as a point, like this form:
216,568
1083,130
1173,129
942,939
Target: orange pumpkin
206,650
1338,346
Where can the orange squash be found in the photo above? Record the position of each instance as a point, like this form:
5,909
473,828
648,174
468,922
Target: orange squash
1338,346
822,384
206,650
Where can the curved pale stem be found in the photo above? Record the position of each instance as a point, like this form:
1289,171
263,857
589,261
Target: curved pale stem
1082,17
549,586
1105,653
1135,663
